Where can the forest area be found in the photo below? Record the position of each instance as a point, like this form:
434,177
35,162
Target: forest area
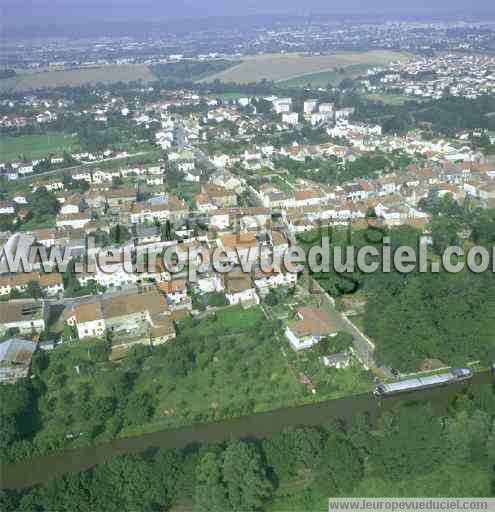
418,316
191,70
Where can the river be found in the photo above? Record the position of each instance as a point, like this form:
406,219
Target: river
41,469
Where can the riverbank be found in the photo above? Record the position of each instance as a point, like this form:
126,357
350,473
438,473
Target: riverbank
229,364
42,469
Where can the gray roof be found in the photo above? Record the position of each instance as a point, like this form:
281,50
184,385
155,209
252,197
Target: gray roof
142,231
335,359
16,351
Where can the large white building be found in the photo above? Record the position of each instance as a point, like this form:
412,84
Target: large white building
310,106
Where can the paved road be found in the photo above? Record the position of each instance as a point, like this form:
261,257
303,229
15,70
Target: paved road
363,346
81,166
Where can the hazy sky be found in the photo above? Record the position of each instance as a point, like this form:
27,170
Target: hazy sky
57,11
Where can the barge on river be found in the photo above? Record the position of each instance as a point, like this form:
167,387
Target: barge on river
419,383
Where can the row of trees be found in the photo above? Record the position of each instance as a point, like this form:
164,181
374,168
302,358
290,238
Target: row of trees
445,116
331,171
191,70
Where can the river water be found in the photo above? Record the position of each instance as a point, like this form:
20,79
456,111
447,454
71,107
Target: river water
41,469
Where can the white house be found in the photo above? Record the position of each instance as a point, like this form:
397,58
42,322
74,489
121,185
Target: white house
7,208
310,106
220,219
27,316
70,207
326,108
20,199
290,118
209,284
239,288
73,220
88,320
312,325
264,281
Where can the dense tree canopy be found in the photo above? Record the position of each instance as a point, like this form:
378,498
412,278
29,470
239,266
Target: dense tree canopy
417,316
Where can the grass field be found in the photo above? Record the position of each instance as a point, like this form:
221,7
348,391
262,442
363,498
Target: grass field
390,99
49,79
35,146
282,67
229,96
225,365
333,77
239,369
39,222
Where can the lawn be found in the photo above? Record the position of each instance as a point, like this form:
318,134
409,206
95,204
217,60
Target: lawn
227,364
280,67
239,369
39,222
358,321
390,99
35,146
224,365
282,184
333,77
329,383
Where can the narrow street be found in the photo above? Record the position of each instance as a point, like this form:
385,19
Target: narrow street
363,346
81,166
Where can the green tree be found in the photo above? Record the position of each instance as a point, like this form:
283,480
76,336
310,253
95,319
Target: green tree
291,452
167,231
34,290
138,408
216,299
123,484
271,299
210,492
245,477
43,202
15,401
444,233
119,234
412,443
341,467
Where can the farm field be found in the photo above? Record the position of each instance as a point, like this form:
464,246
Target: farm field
391,99
324,78
282,67
35,146
76,77
228,96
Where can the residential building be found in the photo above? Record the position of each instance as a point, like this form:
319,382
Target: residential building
25,316
239,288
15,359
312,325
